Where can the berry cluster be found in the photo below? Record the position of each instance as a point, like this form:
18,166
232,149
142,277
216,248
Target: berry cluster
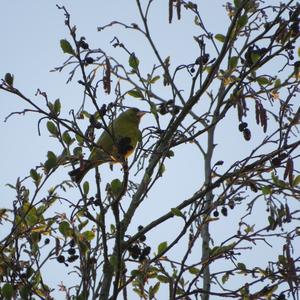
139,251
243,127
72,254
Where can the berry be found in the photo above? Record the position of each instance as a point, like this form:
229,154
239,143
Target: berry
216,213
71,251
243,126
61,259
224,211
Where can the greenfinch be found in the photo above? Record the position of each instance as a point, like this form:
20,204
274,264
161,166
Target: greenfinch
114,145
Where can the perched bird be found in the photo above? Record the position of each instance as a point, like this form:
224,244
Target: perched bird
114,144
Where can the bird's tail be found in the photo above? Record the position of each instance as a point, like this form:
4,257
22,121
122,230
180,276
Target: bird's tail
78,174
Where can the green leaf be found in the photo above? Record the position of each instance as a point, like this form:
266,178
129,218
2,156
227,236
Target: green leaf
194,271
133,61
277,83
266,190
263,80
34,175
116,187
153,290
136,93
89,235
299,51
67,138
220,37
82,225
233,62
237,3
154,79
9,79
225,277
296,180
86,188
162,247
77,151
241,266
52,128
242,21
51,161
64,228
254,57
57,106
177,212
7,291
163,279
161,170
66,47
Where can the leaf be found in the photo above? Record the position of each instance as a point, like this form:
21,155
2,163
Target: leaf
154,79
89,235
296,181
9,79
194,271
225,277
237,3
163,279
177,212
64,228
161,170
34,175
67,138
263,80
116,187
86,188
153,290
220,37
254,57
162,247
52,128
133,61
57,107
233,62
241,266
266,190
242,21
299,51
136,93
66,47
51,161
7,291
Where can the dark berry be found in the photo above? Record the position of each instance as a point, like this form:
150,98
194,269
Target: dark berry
73,258
247,134
71,251
216,213
61,259
231,204
142,238
89,60
275,162
140,227
243,126
47,241
192,70
146,251
224,211
72,244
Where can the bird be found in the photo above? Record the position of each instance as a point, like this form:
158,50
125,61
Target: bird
115,144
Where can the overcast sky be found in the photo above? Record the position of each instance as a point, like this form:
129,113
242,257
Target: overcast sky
30,33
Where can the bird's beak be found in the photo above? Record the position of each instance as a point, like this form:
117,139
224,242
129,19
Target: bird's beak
141,113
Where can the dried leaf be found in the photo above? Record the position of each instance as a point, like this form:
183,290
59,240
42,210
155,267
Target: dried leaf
106,77
170,11
178,9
